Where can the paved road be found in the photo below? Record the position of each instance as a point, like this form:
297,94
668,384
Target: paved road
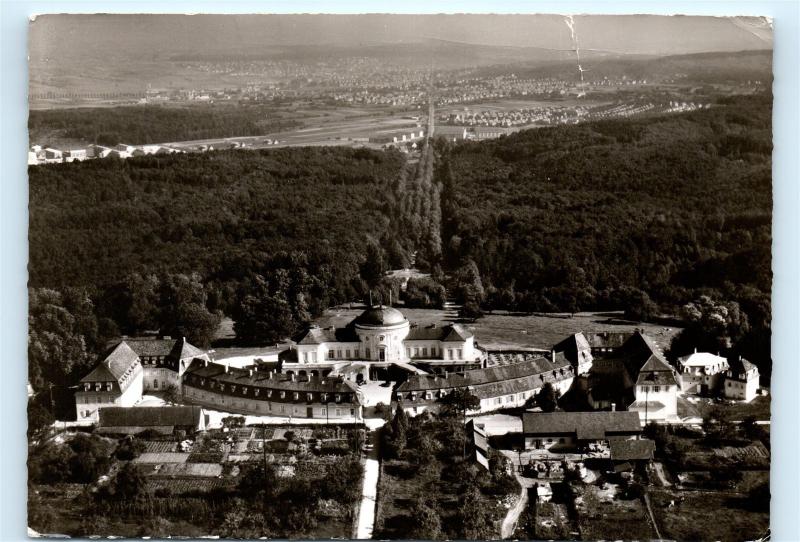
366,514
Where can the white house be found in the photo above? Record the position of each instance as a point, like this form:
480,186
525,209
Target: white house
656,391
741,380
116,381
701,372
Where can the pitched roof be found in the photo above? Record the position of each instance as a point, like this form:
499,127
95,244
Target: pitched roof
456,333
150,416
264,379
114,365
701,359
319,335
607,339
184,350
175,348
586,425
631,450
656,371
740,365
475,377
149,346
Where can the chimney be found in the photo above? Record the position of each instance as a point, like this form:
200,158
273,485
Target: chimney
613,407
205,362
553,354
227,365
251,372
695,350
269,375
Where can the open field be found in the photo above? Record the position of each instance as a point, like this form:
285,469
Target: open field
509,331
688,519
602,514
735,410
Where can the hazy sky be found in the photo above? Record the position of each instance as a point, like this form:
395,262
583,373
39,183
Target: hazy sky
55,36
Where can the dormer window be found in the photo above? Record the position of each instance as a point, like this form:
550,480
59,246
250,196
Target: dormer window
109,386
256,392
244,390
296,395
86,386
338,398
310,396
323,397
283,394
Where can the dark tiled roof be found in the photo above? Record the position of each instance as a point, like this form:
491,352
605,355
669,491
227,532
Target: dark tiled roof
632,450
741,365
657,372
114,365
427,333
150,416
447,333
500,373
509,357
574,347
607,339
587,424
263,379
150,347
319,335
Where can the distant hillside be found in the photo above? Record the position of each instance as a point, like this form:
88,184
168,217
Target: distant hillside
735,67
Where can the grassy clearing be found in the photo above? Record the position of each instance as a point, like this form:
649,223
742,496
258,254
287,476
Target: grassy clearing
606,517
502,329
688,519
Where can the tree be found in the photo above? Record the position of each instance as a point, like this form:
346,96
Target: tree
472,516
127,486
39,418
459,401
130,448
547,398
428,524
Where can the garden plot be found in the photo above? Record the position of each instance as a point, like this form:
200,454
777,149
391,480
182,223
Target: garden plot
602,515
159,446
163,457
189,469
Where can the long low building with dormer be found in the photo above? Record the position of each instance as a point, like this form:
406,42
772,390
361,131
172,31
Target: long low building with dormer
503,386
270,393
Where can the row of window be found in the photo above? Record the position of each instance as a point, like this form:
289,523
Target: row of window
280,408
323,397
655,389
99,399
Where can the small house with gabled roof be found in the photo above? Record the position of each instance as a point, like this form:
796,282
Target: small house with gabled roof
656,391
741,380
116,381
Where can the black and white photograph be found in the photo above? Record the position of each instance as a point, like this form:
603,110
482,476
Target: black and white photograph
400,277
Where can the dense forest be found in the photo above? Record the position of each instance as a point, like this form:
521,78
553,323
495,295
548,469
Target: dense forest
139,125
656,216
170,243
621,214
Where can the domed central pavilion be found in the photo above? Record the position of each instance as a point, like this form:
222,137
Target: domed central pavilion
379,339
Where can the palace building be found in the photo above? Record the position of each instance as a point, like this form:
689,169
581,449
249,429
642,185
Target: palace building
379,344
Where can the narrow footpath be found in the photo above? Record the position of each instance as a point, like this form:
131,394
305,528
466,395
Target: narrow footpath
512,517
369,492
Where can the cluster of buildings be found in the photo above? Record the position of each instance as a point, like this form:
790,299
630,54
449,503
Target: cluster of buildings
48,155
321,373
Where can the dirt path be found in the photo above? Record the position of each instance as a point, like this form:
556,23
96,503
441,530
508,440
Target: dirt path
510,521
369,494
652,517
659,468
